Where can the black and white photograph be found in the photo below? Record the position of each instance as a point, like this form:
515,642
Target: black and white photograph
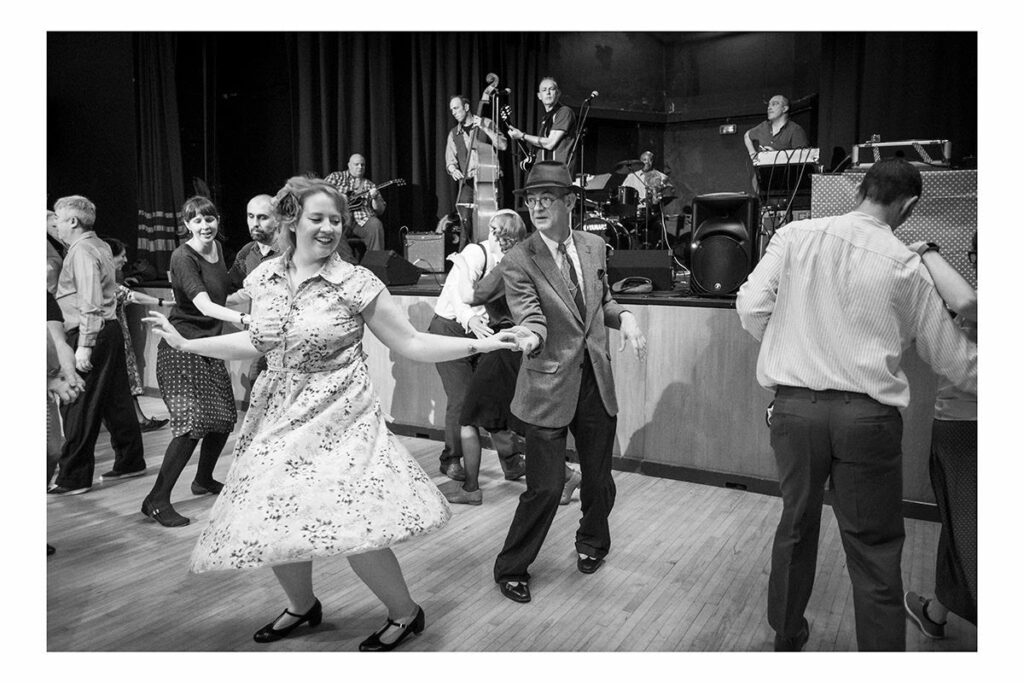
475,330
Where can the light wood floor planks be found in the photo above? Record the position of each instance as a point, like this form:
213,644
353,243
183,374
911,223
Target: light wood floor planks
688,571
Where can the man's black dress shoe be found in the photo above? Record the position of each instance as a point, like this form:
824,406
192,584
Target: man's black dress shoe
375,644
516,593
797,642
588,565
269,634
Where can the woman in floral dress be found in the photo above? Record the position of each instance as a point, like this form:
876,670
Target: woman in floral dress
316,472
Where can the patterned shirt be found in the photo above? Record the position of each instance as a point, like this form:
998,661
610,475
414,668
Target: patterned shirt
344,181
87,288
836,300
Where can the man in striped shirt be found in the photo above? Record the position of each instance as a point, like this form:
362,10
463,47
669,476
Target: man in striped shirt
834,302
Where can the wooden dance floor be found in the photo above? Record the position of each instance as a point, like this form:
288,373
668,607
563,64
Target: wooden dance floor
688,571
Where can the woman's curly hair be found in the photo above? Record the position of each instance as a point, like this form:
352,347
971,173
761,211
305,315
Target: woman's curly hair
289,200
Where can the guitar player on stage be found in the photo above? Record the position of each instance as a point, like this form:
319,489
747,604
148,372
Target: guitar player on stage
557,128
367,226
778,132
461,157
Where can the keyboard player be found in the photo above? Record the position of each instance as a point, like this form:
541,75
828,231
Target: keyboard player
776,133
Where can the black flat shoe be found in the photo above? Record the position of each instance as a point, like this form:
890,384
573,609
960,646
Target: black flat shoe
588,565
50,550
269,634
520,593
375,644
213,487
164,514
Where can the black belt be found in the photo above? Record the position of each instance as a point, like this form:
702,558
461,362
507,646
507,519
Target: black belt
820,394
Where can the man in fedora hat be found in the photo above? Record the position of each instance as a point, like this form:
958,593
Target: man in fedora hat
557,290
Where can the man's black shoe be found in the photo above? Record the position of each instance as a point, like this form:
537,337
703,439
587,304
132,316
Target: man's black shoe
588,565
797,642
520,592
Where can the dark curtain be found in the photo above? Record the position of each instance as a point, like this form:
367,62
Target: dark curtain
902,86
385,95
160,181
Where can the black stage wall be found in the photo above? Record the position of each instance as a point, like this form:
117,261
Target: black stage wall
258,107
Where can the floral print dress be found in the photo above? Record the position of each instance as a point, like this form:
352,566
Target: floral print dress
316,471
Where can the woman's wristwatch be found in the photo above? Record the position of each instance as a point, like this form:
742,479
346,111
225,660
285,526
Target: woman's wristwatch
925,247
245,320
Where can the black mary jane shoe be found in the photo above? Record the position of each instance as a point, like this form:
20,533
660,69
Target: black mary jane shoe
213,487
375,644
269,634
164,514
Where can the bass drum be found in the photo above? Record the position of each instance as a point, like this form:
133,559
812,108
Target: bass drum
614,234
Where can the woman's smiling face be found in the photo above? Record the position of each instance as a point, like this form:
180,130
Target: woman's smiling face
319,229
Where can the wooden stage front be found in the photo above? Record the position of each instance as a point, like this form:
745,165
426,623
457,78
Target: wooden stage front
688,571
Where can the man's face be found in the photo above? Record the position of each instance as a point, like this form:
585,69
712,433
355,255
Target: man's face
65,225
547,93
357,165
556,216
260,220
459,109
648,161
776,107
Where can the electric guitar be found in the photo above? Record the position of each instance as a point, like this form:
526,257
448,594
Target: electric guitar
529,156
359,198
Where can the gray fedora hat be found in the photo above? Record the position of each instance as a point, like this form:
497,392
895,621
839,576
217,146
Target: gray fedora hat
547,174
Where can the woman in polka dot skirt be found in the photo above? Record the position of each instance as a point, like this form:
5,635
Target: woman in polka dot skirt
196,389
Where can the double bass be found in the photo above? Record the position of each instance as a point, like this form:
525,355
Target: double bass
485,189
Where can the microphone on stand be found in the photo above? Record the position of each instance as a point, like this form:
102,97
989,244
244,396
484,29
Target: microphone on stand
592,95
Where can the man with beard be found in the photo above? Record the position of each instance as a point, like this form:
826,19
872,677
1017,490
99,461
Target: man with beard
365,222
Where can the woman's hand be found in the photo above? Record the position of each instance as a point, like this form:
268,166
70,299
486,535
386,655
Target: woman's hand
506,339
526,341
165,330
61,389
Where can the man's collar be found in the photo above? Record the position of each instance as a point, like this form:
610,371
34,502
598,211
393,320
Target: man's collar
85,234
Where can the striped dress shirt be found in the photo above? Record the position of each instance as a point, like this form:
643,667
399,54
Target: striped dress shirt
835,301
87,288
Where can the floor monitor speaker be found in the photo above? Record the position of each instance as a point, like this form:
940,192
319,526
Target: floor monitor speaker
391,268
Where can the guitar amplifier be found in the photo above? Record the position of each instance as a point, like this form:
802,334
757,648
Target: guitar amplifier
425,250
921,153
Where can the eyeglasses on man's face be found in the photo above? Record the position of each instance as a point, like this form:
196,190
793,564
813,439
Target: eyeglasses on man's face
543,201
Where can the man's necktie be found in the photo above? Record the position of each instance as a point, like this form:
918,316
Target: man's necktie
569,273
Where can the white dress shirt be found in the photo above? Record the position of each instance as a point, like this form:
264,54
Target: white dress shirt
835,301
570,249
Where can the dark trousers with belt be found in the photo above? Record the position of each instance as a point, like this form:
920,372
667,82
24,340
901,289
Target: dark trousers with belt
455,378
853,441
594,431
106,399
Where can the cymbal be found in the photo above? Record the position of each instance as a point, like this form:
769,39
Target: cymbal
628,166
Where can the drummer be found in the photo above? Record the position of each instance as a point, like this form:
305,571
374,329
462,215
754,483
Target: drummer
651,184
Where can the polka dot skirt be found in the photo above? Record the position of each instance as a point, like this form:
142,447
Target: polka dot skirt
197,391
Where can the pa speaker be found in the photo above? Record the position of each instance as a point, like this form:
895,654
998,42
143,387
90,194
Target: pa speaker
652,264
391,268
723,249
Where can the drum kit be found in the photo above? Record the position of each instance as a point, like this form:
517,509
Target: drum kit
622,215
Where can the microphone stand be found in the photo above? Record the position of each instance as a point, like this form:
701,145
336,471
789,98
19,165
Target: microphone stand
577,143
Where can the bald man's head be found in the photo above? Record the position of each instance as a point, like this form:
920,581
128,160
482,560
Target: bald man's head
357,165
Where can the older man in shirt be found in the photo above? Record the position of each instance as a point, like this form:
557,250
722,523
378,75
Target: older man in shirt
86,293
367,200
835,301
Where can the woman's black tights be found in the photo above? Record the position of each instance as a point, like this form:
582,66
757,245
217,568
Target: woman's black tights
179,450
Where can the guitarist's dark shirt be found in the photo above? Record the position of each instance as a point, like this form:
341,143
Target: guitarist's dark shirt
559,118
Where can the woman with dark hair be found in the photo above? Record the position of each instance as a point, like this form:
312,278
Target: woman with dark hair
127,296
316,471
196,389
